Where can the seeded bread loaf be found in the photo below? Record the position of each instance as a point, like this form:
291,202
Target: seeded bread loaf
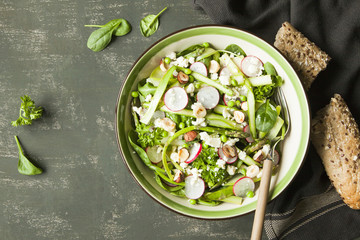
304,56
336,138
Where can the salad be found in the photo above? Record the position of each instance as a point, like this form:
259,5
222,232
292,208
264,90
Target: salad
204,120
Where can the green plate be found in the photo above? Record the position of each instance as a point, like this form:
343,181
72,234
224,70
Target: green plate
294,146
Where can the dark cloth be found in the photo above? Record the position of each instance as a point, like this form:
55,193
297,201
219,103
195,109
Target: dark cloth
309,208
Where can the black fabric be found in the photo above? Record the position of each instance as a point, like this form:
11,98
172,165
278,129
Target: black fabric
309,208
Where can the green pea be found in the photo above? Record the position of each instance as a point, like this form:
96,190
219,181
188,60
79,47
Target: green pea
167,60
223,138
234,82
205,146
134,94
243,98
191,78
250,194
164,134
192,201
185,145
238,103
181,125
206,44
197,85
187,71
231,103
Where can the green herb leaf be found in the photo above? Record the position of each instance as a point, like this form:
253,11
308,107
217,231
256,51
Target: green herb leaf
196,50
123,28
25,166
100,38
28,112
150,24
265,117
235,49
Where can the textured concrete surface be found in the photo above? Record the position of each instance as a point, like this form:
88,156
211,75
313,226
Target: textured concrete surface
86,192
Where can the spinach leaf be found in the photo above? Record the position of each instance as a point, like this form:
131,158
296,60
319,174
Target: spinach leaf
123,26
235,49
150,24
100,38
192,51
270,69
25,167
265,117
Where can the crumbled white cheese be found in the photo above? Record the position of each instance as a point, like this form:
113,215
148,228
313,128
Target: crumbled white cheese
148,98
214,76
231,141
232,55
226,114
199,122
183,165
171,55
159,149
224,80
139,110
190,88
231,170
174,156
242,155
191,60
240,91
182,62
216,169
221,163
211,141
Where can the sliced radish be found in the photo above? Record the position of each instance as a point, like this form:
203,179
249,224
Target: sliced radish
276,158
243,186
194,187
225,72
251,66
208,96
199,67
247,130
194,152
226,99
226,159
176,99
154,155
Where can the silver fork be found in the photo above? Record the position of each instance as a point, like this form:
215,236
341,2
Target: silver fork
256,233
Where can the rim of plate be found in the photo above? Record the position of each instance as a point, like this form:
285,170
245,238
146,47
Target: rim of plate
123,99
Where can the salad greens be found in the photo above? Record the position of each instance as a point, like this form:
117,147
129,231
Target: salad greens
204,120
150,24
28,112
100,38
25,166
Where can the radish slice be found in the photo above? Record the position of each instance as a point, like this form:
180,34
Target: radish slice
208,96
194,187
176,99
199,67
242,186
276,157
153,154
251,66
247,130
225,72
194,152
226,159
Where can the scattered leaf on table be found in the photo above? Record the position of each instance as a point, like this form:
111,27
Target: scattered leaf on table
150,24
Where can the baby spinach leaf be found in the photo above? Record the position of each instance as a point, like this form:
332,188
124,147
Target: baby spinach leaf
197,49
24,165
100,38
123,28
270,69
150,24
235,49
265,117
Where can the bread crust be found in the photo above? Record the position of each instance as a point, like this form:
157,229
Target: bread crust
335,135
306,58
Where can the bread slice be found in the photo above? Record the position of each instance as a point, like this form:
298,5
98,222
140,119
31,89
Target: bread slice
336,138
304,56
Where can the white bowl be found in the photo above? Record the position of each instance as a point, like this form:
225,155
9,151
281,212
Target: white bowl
294,146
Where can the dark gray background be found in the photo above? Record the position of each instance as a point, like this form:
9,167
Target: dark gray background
86,192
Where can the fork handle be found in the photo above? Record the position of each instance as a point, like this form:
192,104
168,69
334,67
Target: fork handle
262,200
